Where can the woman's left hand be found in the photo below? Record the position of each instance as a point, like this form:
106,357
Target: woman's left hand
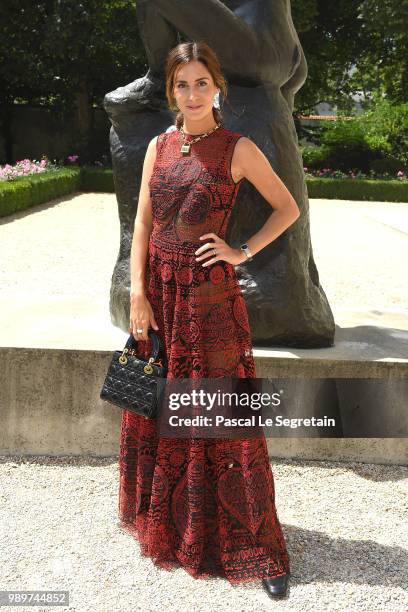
222,251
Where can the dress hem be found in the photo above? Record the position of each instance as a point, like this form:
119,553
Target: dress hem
174,563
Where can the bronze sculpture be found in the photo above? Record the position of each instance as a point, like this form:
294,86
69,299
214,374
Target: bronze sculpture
264,64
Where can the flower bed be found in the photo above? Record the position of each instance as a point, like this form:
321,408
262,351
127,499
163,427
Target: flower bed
29,183
25,167
354,174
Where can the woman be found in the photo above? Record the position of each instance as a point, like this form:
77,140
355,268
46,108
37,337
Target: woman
204,504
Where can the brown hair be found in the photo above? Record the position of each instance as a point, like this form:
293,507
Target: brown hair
184,53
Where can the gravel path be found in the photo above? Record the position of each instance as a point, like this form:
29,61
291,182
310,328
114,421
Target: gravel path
345,524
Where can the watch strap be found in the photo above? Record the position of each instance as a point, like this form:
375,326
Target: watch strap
244,247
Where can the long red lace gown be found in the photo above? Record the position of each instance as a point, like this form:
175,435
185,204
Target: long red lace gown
206,505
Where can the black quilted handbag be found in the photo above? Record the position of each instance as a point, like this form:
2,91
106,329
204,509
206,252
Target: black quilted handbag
131,382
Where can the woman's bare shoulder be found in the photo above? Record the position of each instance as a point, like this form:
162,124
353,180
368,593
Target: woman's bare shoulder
247,157
244,148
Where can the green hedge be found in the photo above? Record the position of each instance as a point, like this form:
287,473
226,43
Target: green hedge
27,191
97,179
358,189
35,189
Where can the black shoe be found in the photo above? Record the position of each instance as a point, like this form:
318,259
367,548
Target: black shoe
276,587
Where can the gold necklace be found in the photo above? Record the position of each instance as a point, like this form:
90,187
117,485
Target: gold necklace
185,147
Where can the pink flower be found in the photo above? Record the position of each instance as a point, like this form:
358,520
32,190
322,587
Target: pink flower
23,167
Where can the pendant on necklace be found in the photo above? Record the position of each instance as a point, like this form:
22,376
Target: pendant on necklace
185,149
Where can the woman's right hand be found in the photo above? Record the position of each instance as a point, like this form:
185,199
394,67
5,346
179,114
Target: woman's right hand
141,316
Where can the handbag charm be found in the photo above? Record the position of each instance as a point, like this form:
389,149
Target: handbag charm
185,147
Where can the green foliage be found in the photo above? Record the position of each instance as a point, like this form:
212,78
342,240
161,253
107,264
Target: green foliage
381,67
66,55
352,48
314,157
385,127
96,179
48,49
377,138
345,145
27,191
93,45
332,40
387,165
358,189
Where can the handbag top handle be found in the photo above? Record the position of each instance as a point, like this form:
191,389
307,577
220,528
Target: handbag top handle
156,340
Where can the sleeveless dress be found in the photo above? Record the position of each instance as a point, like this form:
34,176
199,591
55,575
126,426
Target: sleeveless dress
207,505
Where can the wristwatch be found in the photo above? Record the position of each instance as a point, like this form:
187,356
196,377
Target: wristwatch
244,247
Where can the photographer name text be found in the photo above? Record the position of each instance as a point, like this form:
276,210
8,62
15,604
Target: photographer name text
252,421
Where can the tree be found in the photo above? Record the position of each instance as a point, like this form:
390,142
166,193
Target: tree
66,55
382,66
330,34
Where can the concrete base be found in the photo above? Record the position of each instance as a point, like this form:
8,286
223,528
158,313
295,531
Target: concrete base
365,450
51,405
